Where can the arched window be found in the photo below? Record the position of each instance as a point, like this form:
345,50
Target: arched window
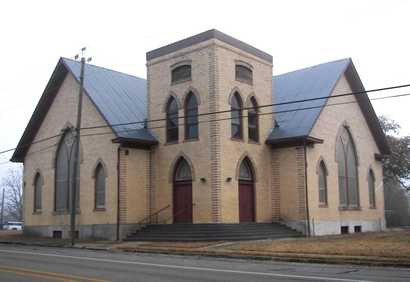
172,120
100,177
236,116
191,116
253,121
245,170
322,175
347,167
181,74
243,73
38,188
64,169
182,171
372,185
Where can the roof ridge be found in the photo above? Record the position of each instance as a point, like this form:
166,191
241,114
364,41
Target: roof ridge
104,68
348,59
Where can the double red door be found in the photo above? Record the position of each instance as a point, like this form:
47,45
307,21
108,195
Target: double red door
246,202
182,203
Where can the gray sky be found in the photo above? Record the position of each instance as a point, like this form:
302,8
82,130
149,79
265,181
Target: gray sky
34,34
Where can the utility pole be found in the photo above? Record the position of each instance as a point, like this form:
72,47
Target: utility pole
76,173
2,212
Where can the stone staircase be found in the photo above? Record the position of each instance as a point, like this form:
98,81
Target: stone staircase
212,232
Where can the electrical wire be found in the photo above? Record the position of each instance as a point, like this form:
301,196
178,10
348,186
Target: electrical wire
225,111
257,107
245,116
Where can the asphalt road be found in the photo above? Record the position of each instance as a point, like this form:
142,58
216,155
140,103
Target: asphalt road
18,263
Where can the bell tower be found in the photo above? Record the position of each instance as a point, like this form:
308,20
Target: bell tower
189,83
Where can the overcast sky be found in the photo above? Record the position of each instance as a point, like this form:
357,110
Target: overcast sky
34,34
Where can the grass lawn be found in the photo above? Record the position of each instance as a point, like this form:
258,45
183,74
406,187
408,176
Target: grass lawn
176,246
394,244
382,248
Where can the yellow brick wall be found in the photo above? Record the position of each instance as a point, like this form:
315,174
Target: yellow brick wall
326,128
197,152
214,156
40,157
233,151
146,176
137,182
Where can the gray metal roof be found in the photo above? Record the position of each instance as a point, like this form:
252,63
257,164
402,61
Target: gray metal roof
316,81
120,98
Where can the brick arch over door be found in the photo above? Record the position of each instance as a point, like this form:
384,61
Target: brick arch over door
182,192
253,167
174,164
246,191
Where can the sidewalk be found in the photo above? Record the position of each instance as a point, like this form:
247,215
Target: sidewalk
383,249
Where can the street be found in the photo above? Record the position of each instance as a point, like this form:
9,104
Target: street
22,263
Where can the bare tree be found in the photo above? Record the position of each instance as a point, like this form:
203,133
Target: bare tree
397,164
396,174
13,187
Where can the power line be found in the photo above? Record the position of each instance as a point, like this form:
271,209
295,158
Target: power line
35,152
29,144
227,111
259,114
257,107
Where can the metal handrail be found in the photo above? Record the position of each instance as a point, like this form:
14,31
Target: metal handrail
179,212
148,219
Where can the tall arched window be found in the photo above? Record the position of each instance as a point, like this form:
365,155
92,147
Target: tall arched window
347,167
236,116
191,116
253,121
100,177
372,185
64,169
172,120
38,188
322,175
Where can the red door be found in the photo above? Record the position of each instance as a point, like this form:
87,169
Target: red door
182,202
246,202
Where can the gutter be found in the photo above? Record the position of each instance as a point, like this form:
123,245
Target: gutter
118,193
295,140
306,192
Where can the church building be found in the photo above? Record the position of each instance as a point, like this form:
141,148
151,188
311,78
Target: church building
211,136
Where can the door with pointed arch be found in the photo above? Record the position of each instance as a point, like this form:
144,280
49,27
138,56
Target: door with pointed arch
182,192
246,192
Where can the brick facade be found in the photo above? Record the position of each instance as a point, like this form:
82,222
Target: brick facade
145,182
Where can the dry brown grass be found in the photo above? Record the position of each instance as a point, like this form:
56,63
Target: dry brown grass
177,246
10,234
384,244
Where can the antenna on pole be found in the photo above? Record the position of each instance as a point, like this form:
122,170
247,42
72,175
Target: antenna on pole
75,187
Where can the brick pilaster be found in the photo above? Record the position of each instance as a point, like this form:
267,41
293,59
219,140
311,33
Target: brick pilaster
215,139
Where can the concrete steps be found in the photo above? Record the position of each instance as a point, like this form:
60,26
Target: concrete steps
212,232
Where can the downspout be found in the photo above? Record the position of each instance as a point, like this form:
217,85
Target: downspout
118,193
306,192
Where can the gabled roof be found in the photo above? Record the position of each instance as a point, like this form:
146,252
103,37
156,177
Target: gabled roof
118,97
122,98
312,82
